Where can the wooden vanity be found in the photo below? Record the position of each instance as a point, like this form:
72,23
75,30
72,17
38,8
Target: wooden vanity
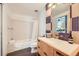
56,47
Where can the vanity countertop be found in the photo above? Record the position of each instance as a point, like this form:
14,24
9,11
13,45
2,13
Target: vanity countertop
63,46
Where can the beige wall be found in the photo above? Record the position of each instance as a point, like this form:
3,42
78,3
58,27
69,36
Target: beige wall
75,13
75,10
48,12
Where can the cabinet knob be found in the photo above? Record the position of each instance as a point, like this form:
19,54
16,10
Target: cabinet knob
38,40
38,47
45,53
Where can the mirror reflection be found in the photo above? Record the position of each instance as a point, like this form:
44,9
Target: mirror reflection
61,26
61,18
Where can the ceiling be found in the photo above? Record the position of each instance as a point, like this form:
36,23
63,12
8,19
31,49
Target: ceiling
26,8
60,8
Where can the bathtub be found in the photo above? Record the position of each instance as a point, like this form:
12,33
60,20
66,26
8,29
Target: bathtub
21,44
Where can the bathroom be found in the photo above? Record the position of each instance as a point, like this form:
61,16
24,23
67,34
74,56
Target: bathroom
21,26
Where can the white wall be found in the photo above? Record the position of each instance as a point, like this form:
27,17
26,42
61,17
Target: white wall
4,31
17,20
42,23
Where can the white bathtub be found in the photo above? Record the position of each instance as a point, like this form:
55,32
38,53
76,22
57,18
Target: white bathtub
20,44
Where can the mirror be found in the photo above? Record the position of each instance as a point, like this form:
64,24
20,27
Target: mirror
61,22
61,18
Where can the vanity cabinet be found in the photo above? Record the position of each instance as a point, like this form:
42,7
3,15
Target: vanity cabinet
56,47
46,50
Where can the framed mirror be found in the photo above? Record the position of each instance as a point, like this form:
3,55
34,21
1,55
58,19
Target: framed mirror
61,20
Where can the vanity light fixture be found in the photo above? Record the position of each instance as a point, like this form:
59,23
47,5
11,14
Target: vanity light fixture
52,5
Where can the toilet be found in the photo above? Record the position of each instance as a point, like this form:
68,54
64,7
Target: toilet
33,46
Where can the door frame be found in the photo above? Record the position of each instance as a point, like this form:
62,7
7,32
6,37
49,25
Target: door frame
1,5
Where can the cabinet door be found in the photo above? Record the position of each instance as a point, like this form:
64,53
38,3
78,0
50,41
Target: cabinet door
45,49
48,49
39,48
40,52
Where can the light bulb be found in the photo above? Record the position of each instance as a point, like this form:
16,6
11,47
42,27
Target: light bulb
50,5
53,6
